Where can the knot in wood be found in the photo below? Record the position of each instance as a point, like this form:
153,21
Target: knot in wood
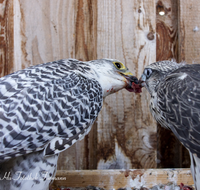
150,35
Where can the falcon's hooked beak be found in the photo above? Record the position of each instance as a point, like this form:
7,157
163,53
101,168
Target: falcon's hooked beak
132,82
142,80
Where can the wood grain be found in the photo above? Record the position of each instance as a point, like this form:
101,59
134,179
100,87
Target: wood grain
6,37
86,29
45,34
170,152
126,130
189,31
116,179
167,30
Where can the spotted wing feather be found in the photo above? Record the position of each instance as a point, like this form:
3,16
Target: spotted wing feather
48,107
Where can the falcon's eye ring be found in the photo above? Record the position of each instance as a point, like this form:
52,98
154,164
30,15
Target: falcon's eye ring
148,72
119,65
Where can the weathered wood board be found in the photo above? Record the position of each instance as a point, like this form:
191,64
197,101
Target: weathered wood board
116,179
170,152
189,31
6,37
47,30
166,29
126,130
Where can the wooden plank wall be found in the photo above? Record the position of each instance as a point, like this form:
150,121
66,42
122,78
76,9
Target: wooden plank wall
189,31
126,131
47,30
32,32
6,37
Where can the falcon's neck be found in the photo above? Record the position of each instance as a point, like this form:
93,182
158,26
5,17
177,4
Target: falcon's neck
110,85
109,80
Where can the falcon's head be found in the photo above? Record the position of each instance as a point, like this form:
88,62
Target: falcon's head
154,73
112,75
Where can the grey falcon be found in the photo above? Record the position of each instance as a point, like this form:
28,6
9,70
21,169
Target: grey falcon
175,104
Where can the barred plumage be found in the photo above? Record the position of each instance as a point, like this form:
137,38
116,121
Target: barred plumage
46,108
50,101
175,104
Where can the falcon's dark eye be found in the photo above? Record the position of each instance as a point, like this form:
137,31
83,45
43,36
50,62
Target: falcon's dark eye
148,72
118,65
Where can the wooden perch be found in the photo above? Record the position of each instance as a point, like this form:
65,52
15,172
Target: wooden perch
115,179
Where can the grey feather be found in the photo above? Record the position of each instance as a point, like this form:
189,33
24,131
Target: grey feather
175,104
